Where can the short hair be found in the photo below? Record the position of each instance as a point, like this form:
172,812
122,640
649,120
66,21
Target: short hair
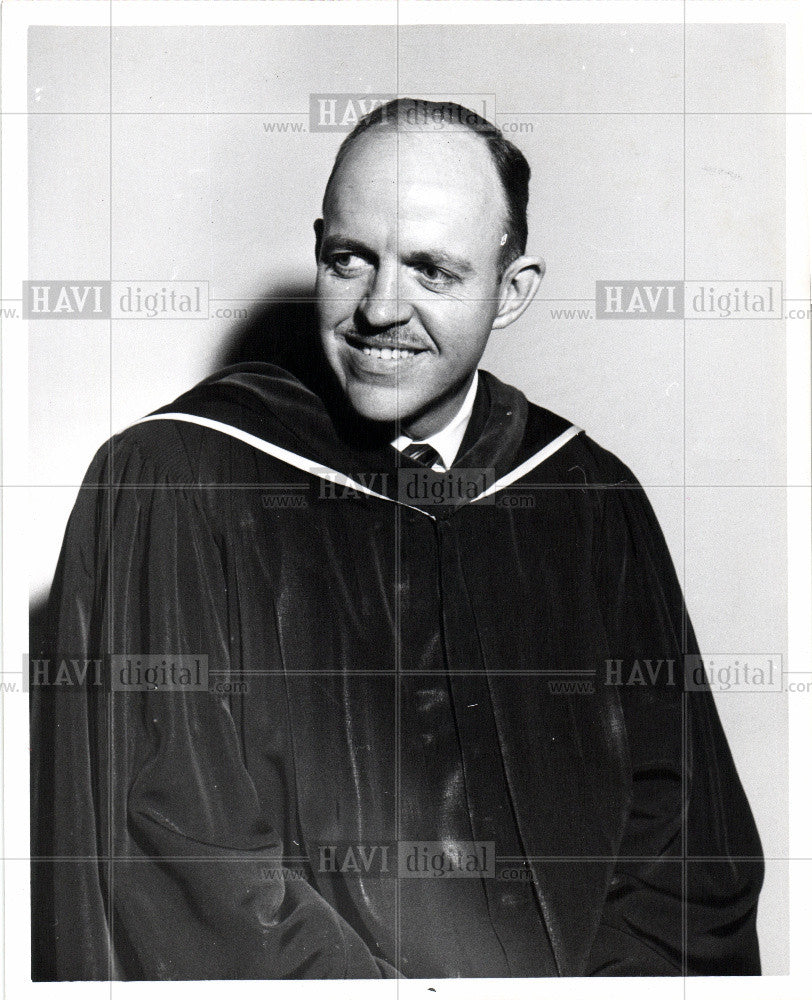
511,166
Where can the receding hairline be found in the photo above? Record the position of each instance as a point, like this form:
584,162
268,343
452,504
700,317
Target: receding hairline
398,124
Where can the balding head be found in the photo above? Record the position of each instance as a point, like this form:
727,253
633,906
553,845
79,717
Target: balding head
434,118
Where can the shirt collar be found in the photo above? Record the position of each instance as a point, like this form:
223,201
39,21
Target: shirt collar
448,439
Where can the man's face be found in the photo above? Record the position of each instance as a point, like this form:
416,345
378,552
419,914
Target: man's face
408,276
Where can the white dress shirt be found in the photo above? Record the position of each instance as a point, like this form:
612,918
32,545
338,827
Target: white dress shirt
446,442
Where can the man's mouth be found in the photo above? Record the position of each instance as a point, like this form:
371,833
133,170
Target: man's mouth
389,353
393,351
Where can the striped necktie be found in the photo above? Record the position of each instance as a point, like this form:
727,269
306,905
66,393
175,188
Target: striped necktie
423,454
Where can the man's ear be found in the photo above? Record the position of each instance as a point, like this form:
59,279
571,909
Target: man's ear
519,284
318,228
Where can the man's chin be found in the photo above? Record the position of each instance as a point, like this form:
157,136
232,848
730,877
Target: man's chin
380,406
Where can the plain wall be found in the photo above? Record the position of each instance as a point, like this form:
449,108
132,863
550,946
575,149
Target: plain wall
624,186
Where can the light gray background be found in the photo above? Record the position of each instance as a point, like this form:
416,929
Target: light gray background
625,185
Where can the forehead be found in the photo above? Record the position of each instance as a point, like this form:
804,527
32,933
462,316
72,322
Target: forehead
446,178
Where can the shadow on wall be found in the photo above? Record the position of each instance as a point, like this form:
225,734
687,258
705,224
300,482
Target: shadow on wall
280,330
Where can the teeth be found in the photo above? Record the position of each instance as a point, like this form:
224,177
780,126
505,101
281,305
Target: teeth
389,353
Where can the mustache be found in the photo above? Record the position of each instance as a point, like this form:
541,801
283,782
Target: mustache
386,338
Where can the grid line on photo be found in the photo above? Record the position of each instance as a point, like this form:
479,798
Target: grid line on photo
685,622
502,114
545,858
398,571
536,487
110,511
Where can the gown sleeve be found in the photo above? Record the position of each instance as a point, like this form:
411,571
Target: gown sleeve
151,856
683,896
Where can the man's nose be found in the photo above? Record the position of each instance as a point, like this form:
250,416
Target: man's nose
383,303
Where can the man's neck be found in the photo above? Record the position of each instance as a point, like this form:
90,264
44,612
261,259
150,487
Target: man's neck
446,441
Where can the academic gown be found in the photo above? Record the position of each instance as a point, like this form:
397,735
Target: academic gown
502,668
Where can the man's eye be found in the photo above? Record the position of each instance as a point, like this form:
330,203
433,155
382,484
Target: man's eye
435,275
346,263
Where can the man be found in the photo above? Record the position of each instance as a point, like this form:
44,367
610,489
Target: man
389,580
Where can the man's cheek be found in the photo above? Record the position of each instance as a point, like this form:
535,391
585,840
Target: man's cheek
331,314
337,298
452,316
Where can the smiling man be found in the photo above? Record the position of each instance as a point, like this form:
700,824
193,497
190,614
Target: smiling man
444,730
420,259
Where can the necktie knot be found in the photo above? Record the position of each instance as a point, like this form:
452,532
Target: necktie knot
423,454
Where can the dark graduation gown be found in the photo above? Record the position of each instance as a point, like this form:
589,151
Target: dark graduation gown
380,670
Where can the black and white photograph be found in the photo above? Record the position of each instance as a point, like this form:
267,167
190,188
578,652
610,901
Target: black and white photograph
406,493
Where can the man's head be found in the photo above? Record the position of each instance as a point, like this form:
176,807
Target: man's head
420,256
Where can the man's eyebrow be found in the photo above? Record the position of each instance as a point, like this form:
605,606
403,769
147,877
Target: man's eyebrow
439,258
345,243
